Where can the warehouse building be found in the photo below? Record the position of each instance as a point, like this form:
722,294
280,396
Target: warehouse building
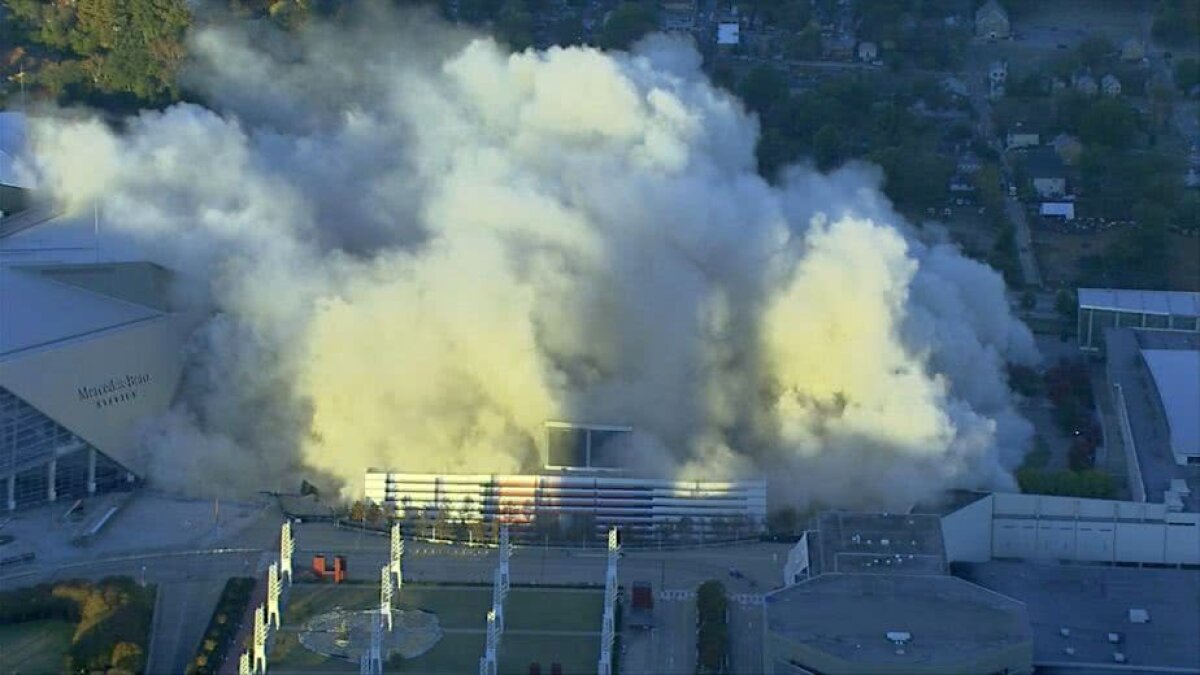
1103,308
872,593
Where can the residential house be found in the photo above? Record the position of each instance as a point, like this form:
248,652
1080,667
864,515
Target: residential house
867,51
1047,173
1133,50
1085,84
1015,140
991,22
1110,85
997,78
838,45
1068,147
728,33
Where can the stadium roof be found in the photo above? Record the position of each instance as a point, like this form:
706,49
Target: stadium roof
43,305
1179,303
12,144
841,622
1176,375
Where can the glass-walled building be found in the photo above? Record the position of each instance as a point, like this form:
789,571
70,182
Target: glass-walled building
1103,308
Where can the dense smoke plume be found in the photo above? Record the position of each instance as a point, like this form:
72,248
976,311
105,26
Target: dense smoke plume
417,248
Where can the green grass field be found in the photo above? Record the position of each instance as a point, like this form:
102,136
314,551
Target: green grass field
542,625
34,647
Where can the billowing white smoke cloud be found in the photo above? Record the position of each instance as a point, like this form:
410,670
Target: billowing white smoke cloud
419,248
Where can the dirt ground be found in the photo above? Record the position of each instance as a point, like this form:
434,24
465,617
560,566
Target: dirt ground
1059,255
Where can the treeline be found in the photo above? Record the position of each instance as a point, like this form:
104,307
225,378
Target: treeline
112,620
712,630
222,626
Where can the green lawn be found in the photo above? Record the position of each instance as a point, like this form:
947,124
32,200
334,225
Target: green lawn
34,646
460,612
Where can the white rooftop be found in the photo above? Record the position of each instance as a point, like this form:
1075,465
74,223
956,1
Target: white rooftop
12,144
1062,209
37,310
728,33
1179,303
1176,374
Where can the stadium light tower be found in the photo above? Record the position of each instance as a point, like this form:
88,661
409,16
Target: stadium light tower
371,662
397,554
287,547
505,553
608,628
487,664
260,640
385,595
244,663
274,587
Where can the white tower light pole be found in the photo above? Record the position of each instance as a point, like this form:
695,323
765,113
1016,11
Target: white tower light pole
385,594
274,588
397,555
287,547
260,640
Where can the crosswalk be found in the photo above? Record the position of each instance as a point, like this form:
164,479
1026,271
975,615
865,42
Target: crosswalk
750,599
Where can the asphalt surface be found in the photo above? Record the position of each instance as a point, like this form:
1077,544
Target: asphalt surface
190,580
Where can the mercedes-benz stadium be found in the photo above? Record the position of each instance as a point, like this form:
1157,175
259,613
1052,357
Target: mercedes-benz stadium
90,346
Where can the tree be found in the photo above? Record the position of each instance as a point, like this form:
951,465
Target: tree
1065,304
99,48
514,25
1108,122
1177,22
763,89
987,186
1187,73
828,147
1095,50
628,23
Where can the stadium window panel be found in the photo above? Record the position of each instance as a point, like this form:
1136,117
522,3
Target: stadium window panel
1157,321
1129,320
1179,322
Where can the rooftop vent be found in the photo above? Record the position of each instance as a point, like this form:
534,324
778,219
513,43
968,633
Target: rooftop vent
1118,657
899,637
1139,616
1064,631
1114,638
1069,651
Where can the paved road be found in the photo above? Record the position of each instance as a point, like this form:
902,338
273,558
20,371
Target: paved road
1012,207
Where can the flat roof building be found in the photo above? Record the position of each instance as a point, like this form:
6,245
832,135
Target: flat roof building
860,624
1102,308
1176,374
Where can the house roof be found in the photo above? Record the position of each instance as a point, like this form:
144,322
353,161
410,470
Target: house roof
1063,209
1044,163
991,9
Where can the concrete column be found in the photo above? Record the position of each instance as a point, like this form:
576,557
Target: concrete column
12,492
51,479
91,478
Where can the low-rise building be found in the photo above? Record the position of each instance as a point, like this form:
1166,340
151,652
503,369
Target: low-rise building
867,51
1102,308
991,22
1046,172
1110,85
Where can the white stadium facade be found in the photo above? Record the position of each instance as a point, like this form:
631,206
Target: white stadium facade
90,347
583,480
